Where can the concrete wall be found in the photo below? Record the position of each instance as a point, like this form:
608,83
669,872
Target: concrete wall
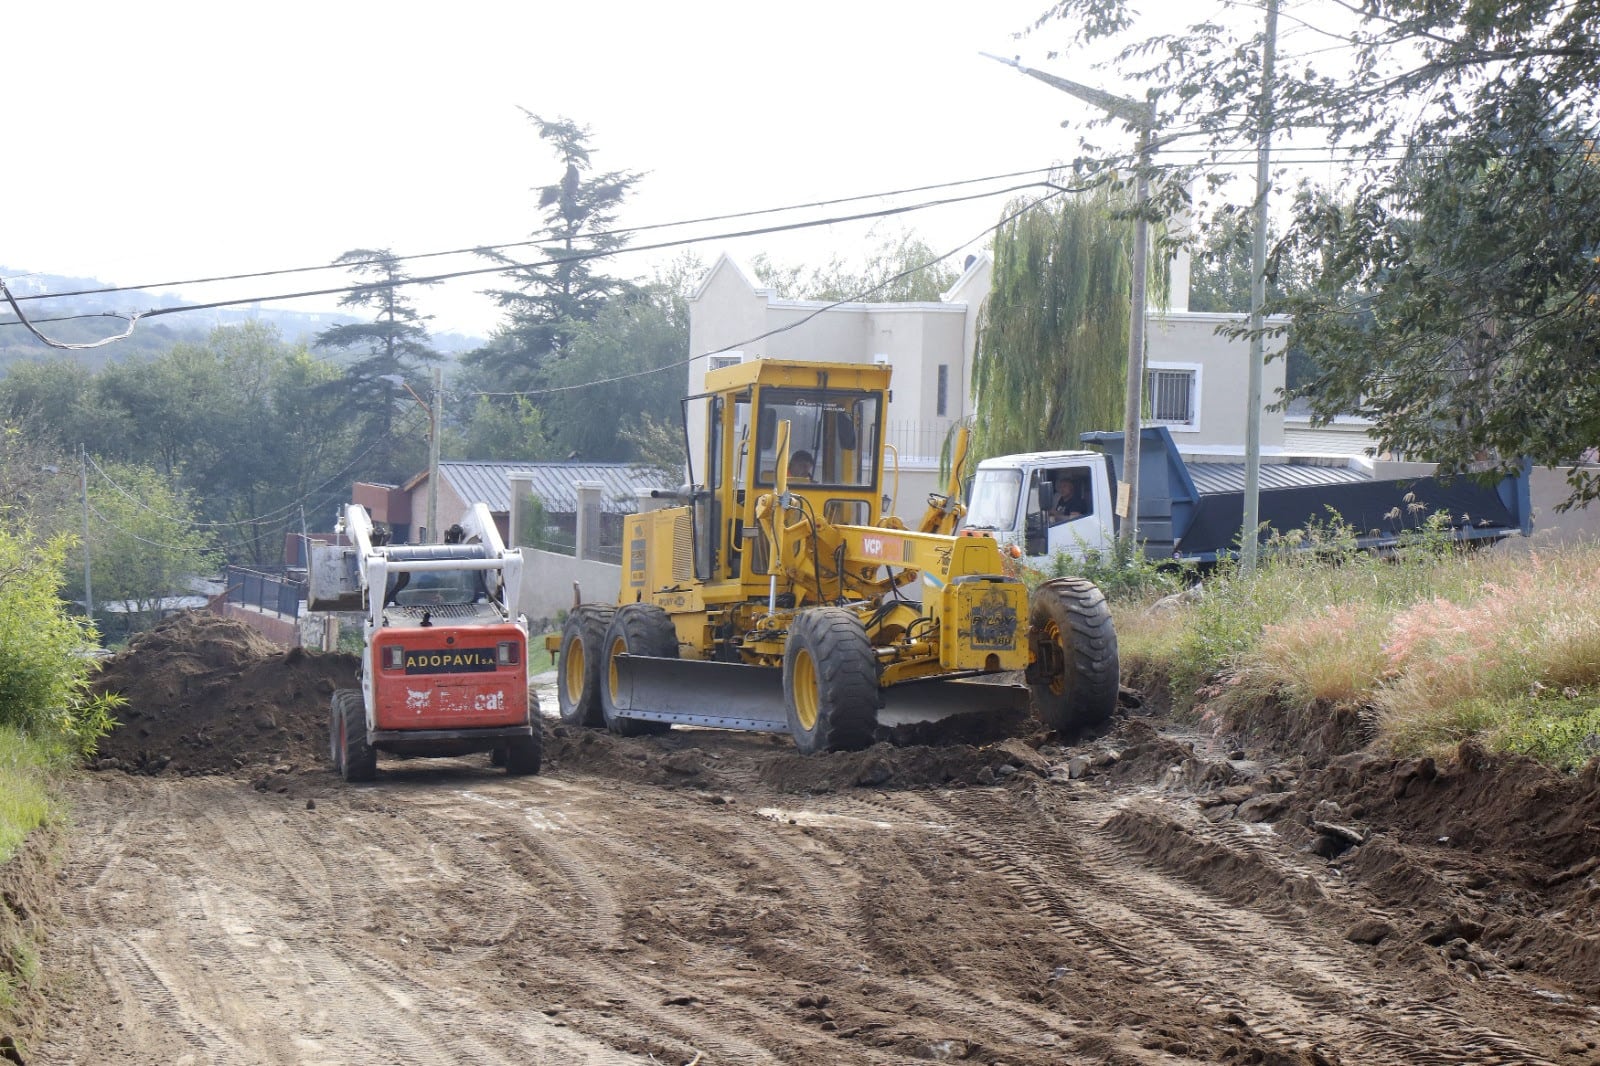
547,585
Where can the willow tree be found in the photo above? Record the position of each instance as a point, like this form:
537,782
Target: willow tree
1052,353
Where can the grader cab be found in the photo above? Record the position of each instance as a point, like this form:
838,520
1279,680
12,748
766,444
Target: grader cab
777,595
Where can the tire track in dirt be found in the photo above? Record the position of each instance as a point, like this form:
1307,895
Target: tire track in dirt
1102,895
230,970
664,853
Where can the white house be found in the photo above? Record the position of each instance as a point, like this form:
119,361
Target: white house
1196,380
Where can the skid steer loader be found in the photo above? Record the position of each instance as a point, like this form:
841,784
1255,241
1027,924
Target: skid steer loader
444,662
777,595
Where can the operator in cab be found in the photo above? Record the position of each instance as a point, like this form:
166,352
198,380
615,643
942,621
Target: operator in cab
801,465
1072,499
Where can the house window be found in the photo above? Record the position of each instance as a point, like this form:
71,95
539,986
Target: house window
1174,396
717,362
942,397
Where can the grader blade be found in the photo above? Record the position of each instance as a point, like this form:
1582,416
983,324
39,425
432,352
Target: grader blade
697,692
936,699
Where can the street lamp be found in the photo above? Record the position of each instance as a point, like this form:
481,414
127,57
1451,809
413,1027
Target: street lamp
1141,116
433,439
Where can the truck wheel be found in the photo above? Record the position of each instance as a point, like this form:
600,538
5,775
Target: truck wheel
637,629
830,681
360,759
524,754
1075,674
583,643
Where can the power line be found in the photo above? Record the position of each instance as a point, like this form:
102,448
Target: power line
268,518
628,231
574,257
856,297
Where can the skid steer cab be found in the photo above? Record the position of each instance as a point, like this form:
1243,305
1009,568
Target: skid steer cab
777,594
444,662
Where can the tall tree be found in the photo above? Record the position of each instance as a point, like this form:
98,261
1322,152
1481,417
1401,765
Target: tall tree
1470,228
396,343
1053,337
552,294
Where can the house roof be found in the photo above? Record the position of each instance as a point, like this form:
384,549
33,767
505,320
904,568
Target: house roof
554,483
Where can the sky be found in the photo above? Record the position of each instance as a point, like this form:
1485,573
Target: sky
167,140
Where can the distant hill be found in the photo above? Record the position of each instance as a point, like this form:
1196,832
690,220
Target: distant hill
154,336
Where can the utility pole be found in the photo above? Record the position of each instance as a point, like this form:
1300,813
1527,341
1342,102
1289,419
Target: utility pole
1141,116
435,417
1249,550
88,583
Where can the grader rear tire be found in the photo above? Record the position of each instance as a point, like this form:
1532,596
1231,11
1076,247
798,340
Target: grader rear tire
830,682
583,644
636,629
1076,673
360,761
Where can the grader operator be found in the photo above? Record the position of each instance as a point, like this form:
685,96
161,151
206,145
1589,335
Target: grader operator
778,595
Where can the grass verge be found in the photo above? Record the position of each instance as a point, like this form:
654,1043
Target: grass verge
1426,648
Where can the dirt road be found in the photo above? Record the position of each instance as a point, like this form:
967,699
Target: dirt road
712,898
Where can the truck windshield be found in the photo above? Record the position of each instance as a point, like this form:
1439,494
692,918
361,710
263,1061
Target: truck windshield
995,495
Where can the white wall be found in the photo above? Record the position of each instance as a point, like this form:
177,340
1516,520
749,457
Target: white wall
1186,338
547,584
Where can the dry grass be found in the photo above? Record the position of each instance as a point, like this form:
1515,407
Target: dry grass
1438,646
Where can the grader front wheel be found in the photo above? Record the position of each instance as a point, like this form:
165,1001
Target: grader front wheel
830,681
1075,672
636,629
578,664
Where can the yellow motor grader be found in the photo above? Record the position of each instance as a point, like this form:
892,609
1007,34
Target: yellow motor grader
777,595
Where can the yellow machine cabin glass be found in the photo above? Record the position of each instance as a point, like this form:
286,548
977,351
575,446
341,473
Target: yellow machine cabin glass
833,437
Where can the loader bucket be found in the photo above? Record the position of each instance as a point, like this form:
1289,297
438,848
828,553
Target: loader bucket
697,692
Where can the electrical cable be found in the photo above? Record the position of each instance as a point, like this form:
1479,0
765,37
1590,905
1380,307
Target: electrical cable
230,547
627,231
268,518
1059,190
506,267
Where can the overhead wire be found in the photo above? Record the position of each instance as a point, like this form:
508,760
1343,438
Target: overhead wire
574,257
270,519
533,243
1058,190
270,516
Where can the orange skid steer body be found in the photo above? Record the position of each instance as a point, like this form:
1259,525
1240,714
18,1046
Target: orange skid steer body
444,667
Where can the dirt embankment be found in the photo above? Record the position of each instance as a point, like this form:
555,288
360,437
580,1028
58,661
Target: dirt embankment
1151,895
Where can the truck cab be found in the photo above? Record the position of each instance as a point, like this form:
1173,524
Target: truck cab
1044,502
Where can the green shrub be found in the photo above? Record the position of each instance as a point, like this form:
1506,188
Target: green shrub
46,655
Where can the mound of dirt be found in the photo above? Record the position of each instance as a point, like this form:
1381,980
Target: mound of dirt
206,694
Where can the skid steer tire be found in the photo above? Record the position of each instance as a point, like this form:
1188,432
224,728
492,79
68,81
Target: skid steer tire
336,732
830,682
524,754
1075,676
360,759
583,644
636,629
